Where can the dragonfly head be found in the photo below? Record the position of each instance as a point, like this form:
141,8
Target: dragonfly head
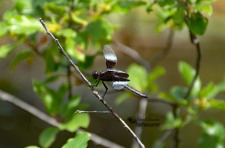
95,74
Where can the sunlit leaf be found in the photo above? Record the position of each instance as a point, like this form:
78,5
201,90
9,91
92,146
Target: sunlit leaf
79,141
77,121
138,76
212,134
5,49
48,136
171,122
187,72
3,29
217,104
25,25
152,77
207,9
99,30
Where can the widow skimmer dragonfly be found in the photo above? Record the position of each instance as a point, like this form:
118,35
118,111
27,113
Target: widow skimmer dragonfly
118,78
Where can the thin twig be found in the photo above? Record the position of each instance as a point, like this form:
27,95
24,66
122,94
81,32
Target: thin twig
85,112
62,51
48,119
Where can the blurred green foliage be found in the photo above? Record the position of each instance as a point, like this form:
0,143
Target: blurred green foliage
81,24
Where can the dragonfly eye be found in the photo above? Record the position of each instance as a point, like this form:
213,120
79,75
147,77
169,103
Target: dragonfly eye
95,74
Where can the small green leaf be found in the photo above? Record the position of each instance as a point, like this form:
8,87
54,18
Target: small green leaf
3,29
138,77
78,120
24,25
197,23
48,136
178,17
67,33
171,122
152,77
207,91
212,134
21,56
5,49
207,9
70,106
178,92
187,72
79,141
217,104
99,30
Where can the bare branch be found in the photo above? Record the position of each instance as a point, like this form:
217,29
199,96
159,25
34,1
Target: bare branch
62,51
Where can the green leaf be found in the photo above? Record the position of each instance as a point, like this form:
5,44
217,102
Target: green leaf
212,134
187,72
207,9
5,49
217,104
171,122
212,90
77,121
155,73
21,56
138,77
24,25
207,91
178,92
3,29
197,23
99,30
24,7
48,136
178,17
52,99
79,141
70,106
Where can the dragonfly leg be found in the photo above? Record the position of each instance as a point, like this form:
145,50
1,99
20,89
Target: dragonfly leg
106,89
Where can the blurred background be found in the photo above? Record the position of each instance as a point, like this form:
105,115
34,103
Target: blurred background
19,129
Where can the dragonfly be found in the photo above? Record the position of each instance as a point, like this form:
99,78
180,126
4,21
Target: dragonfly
118,78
